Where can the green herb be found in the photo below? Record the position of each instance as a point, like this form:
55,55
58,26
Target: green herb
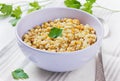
1,5
31,10
87,6
55,32
72,4
35,6
5,9
92,1
17,12
14,21
19,74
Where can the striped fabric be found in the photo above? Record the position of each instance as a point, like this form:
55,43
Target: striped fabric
111,60
112,65
12,58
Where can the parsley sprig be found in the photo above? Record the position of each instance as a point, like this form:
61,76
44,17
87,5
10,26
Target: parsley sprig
16,14
87,6
34,6
7,10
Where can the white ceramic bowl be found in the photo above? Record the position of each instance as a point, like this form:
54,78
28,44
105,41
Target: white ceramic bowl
53,61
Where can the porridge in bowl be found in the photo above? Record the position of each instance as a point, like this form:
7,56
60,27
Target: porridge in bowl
61,35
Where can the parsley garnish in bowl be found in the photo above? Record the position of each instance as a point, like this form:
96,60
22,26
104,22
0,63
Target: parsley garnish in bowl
55,32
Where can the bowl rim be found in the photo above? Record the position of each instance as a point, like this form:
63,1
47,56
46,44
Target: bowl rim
58,53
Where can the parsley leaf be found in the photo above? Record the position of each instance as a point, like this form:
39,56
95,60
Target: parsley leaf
1,5
6,10
35,6
72,4
55,32
14,21
88,6
19,74
92,1
31,10
17,12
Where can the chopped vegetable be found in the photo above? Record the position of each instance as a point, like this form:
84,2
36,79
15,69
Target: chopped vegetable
19,74
55,32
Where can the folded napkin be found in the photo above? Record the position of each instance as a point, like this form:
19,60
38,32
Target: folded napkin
12,58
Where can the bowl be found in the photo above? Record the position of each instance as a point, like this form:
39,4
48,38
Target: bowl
58,61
